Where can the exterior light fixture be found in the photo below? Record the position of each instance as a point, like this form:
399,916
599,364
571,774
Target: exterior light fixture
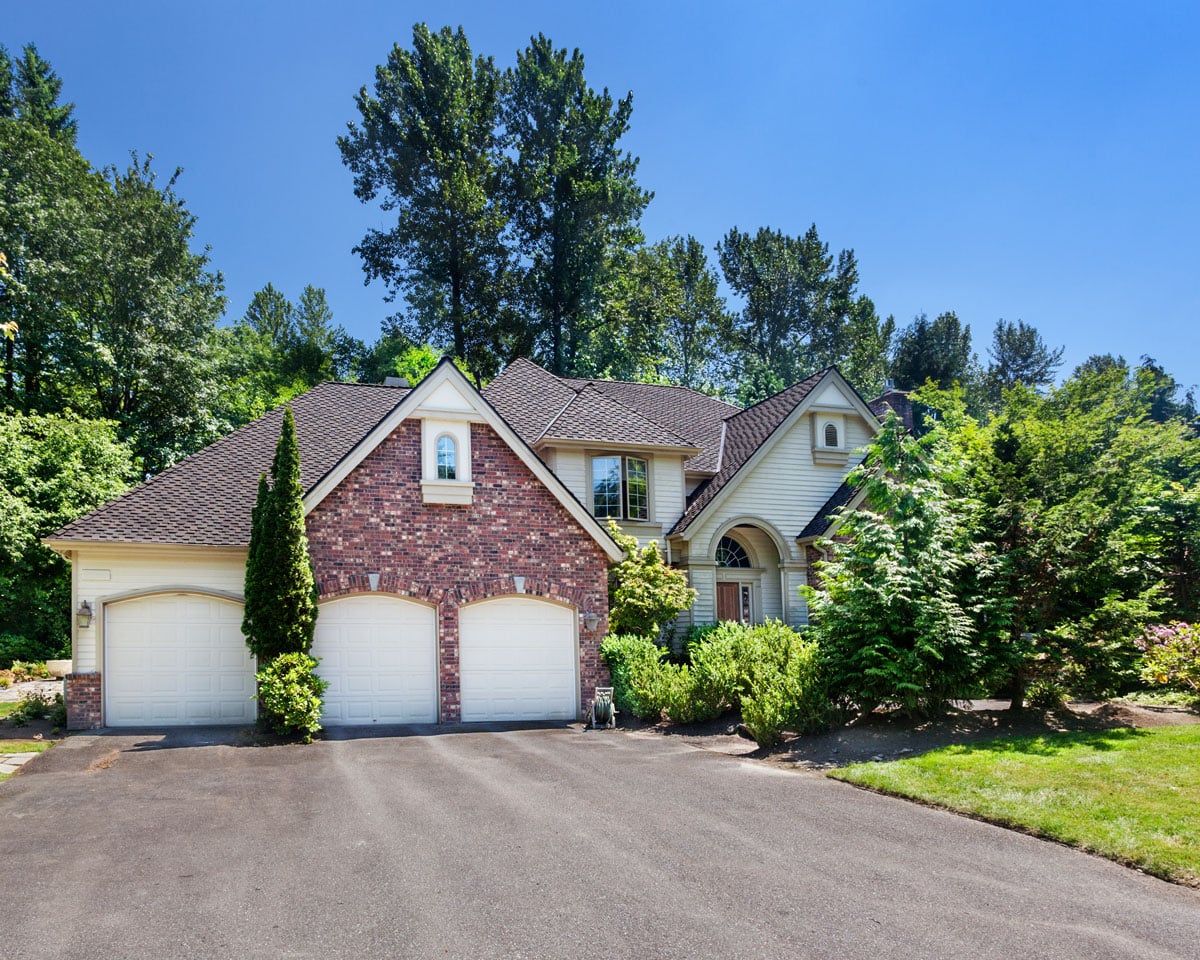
591,620
519,584
83,616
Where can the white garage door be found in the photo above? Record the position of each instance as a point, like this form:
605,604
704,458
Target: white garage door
176,659
517,660
379,655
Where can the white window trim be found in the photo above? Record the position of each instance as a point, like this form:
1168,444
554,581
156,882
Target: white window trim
591,456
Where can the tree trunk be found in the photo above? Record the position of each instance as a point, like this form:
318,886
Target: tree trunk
1019,683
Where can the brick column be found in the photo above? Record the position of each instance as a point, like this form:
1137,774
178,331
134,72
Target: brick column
449,701
82,695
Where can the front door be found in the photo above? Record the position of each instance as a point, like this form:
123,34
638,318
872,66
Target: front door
733,602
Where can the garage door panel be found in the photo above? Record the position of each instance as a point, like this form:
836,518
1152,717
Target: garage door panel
379,655
518,660
176,659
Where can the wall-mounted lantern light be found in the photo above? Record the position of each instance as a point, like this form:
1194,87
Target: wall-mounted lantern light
83,616
591,620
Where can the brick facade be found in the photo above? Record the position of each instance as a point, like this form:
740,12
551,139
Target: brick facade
81,691
375,521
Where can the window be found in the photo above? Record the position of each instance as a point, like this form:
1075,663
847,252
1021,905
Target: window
730,553
620,488
447,458
831,435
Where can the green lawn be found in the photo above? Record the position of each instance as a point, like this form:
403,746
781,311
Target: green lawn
22,746
1130,795
7,707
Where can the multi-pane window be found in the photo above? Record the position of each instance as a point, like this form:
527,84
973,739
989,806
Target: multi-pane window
730,553
620,489
447,458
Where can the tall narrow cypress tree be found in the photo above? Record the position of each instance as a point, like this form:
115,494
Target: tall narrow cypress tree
281,597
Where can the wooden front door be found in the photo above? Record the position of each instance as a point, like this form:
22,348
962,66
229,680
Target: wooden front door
729,602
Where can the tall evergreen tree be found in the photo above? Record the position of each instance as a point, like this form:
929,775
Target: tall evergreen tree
426,147
801,310
8,99
1020,356
37,91
572,193
937,350
281,595
271,315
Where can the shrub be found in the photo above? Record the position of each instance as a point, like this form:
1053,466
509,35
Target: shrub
643,592
38,706
771,672
637,670
1171,656
785,684
29,671
289,693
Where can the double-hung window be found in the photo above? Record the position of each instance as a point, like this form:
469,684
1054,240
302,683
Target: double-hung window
620,489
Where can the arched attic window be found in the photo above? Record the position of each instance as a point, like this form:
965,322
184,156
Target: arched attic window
730,553
831,435
447,458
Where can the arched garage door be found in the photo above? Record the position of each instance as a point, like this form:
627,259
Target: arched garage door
174,659
517,660
379,654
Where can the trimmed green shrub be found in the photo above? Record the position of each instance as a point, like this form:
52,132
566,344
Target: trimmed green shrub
785,685
637,668
770,672
39,706
289,695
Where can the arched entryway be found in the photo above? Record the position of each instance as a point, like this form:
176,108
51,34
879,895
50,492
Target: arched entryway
748,585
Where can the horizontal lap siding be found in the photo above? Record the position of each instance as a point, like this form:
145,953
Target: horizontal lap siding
101,574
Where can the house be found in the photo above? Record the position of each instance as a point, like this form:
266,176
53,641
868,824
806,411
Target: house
458,541
734,497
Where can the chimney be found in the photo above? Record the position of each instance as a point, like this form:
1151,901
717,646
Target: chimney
395,381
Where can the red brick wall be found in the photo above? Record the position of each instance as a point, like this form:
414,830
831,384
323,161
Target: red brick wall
375,522
81,691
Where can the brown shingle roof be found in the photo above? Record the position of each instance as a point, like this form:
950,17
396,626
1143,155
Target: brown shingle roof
593,416
695,416
540,405
745,432
206,499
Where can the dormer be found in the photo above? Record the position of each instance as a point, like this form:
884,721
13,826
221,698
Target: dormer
828,414
446,417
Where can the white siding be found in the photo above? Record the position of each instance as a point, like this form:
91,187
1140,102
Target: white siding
99,574
704,610
571,467
666,490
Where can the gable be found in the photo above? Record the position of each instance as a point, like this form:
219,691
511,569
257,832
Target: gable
446,384
774,449
512,524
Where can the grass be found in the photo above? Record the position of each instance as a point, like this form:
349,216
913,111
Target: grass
7,707
1129,795
22,746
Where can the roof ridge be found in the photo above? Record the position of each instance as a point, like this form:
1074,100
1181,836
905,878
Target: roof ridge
655,386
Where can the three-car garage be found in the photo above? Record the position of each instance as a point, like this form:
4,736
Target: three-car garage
177,658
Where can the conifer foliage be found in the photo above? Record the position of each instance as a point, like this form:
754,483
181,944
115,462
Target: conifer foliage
280,614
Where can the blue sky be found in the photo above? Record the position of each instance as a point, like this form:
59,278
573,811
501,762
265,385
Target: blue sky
1032,161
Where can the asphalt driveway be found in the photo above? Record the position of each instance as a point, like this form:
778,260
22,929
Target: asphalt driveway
528,843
